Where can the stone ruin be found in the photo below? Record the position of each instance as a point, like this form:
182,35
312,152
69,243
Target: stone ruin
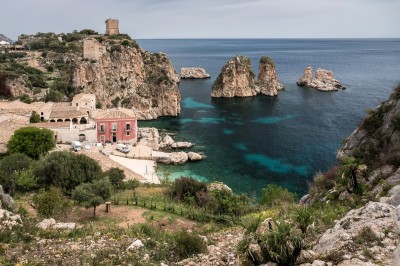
112,27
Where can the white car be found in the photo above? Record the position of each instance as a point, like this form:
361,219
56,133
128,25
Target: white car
123,148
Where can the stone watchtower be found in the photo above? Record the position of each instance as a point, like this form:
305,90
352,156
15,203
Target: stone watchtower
112,27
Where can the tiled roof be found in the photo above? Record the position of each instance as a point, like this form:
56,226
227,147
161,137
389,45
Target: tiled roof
115,113
67,113
51,124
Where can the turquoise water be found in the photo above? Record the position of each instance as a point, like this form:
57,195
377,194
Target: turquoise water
285,140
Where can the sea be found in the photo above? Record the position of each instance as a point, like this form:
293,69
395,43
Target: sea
285,140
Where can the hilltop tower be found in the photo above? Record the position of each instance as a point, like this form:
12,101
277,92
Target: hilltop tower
112,27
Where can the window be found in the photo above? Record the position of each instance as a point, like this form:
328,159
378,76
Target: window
41,113
128,133
102,138
102,128
76,104
128,127
114,127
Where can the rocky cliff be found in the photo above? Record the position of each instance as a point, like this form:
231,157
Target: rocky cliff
323,80
268,83
121,73
238,80
11,86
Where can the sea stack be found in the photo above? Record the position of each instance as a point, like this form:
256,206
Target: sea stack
235,80
323,80
194,73
268,83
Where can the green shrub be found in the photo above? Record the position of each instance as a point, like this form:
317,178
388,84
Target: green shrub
303,217
282,245
275,195
187,244
25,98
51,203
35,117
186,187
267,60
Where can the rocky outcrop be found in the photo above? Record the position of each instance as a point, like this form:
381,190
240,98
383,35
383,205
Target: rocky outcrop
181,145
374,228
193,156
194,73
126,75
238,80
12,87
52,224
6,201
268,83
218,186
323,80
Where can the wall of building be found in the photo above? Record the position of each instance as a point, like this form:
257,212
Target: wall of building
112,26
121,134
65,135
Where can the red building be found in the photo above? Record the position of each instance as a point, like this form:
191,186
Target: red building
116,125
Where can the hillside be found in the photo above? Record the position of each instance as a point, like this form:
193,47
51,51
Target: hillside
114,68
5,38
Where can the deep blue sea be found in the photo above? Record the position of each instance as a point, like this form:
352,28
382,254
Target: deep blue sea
251,142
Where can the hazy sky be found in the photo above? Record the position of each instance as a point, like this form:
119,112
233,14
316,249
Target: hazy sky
207,18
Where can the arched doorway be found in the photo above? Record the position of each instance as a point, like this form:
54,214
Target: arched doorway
75,120
52,120
83,121
67,120
59,120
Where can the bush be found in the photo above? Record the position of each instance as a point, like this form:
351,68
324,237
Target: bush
31,141
116,177
282,245
275,195
10,167
26,181
25,98
51,203
54,96
35,117
66,170
187,244
185,188
303,217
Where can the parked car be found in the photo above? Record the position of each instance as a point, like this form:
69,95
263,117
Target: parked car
76,145
123,148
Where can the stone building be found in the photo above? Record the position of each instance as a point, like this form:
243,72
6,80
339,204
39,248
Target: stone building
84,101
112,27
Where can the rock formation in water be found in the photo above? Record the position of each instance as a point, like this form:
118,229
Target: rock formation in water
323,80
121,73
194,73
268,83
238,80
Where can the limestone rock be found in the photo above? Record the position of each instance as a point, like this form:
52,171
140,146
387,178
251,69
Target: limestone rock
267,83
356,262
323,80
136,244
132,77
6,201
46,224
179,157
168,140
194,73
64,226
218,186
193,156
376,217
17,86
181,145
235,80
393,198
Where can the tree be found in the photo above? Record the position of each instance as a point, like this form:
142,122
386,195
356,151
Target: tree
51,202
93,194
31,141
54,96
35,117
116,177
66,170
10,167
350,167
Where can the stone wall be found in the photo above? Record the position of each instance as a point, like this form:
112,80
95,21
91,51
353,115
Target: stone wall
92,49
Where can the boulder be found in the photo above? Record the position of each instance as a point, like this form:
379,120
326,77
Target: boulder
193,156
218,186
179,157
7,201
181,145
393,197
64,226
46,224
194,73
168,140
323,80
136,244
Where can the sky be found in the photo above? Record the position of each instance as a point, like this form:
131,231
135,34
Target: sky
165,19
